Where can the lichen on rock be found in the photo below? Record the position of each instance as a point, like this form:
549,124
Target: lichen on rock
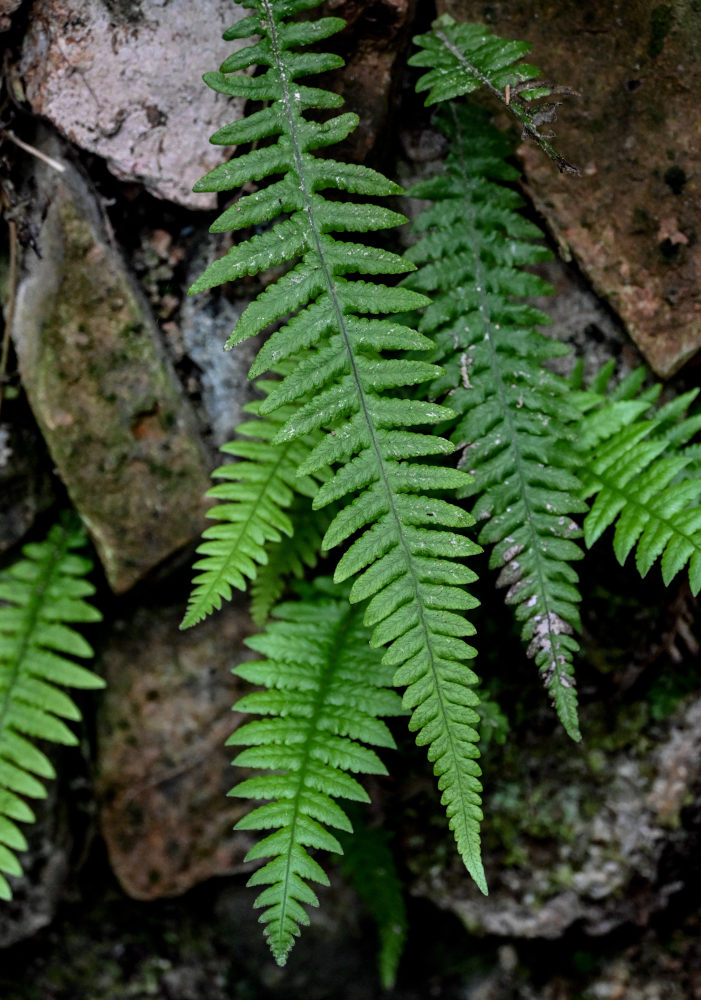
121,433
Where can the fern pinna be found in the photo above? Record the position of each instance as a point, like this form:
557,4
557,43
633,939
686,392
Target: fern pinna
39,594
325,688
348,367
464,57
637,463
510,410
369,863
256,492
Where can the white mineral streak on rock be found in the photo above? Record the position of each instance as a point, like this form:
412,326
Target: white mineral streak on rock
125,81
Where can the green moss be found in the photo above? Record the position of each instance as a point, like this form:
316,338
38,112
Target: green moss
661,20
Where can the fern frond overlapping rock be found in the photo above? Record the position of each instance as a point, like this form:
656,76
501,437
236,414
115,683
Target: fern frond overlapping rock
406,550
464,57
324,691
640,465
39,595
511,411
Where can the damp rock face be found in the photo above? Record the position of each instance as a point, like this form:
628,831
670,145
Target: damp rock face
207,320
7,9
585,835
632,219
121,434
124,80
164,770
25,483
373,44
45,864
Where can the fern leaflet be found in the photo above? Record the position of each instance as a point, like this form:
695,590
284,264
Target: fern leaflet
325,689
464,57
256,492
40,594
638,464
510,411
288,557
369,862
405,546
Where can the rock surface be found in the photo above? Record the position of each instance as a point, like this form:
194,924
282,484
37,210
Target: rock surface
25,484
583,837
633,218
45,866
124,80
119,429
206,323
164,769
7,9
374,42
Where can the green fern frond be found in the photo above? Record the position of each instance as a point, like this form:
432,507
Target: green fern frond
252,514
288,558
406,553
369,863
39,595
325,689
510,410
464,57
640,465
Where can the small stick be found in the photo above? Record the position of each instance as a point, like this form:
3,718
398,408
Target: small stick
32,149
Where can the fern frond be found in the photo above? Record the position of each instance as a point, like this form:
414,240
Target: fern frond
369,863
464,57
510,410
288,558
254,496
405,551
39,594
325,689
640,465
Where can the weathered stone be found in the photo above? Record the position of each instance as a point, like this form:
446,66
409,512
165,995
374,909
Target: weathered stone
124,80
373,44
164,769
632,219
7,9
25,483
583,838
121,433
36,894
580,319
206,323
